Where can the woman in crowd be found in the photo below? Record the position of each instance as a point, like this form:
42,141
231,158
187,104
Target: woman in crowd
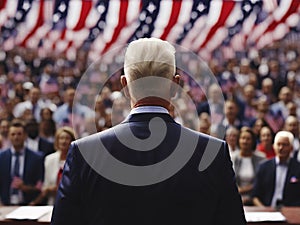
266,142
246,163
54,164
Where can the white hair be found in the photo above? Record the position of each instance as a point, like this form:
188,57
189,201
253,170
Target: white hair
149,57
287,134
153,60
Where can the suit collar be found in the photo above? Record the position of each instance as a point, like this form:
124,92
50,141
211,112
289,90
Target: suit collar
149,109
147,117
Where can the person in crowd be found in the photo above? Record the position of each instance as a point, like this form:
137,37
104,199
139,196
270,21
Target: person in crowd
4,127
246,163
249,100
267,90
277,181
266,142
275,121
47,129
256,127
33,104
231,111
126,194
46,114
204,123
47,126
280,107
54,164
214,105
292,125
21,169
36,142
72,113
231,137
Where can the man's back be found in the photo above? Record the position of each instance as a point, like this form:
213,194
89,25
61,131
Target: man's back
187,196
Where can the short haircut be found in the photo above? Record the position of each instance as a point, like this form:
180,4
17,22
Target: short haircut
149,57
17,123
284,133
153,60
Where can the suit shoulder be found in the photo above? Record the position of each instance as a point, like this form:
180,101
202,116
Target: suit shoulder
4,153
205,137
33,154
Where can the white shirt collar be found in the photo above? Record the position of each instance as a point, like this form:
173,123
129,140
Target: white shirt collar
277,161
13,150
149,109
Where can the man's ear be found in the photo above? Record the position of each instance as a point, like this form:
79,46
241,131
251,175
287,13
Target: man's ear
174,86
125,86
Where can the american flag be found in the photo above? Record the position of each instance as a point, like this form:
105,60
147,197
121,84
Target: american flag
97,26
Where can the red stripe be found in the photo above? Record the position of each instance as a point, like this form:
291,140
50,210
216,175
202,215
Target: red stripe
121,24
225,12
39,23
68,46
293,8
173,18
2,4
86,7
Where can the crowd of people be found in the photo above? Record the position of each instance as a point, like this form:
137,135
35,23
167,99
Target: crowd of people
48,102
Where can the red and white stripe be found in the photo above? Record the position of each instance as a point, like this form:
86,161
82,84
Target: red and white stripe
183,18
8,10
277,28
219,20
112,18
121,38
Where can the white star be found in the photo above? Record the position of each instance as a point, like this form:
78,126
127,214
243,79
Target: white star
151,7
201,7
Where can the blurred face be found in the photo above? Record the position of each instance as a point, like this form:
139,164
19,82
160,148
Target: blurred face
231,138
285,95
267,87
263,106
283,148
230,110
4,126
17,137
266,135
257,126
64,141
34,95
292,126
245,141
249,92
46,114
70,94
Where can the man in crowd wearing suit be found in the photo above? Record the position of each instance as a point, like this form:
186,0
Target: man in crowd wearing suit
34,142
21,170
148,169
278,179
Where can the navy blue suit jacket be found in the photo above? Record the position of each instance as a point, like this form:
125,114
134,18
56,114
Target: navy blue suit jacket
33,172
190,196
264,186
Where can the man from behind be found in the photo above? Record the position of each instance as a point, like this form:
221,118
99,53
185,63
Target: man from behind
148,169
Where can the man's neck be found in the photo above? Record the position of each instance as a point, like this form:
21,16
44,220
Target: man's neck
152,101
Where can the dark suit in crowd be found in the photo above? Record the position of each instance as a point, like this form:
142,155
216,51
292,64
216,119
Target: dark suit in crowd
33,173
265,183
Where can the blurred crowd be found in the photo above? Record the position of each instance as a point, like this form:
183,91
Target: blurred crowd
257,92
